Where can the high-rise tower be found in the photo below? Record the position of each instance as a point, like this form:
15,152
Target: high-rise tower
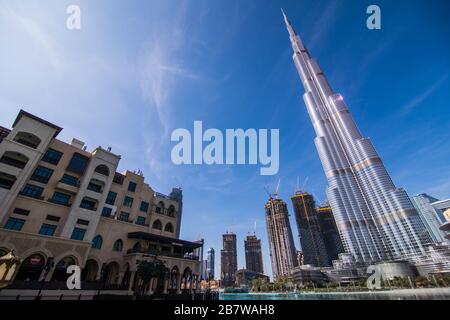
282,249
376,220
228,260
253,254
210,265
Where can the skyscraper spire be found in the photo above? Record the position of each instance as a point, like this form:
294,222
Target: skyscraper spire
376,220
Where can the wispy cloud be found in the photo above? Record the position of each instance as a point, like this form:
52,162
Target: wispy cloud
324,23
419,99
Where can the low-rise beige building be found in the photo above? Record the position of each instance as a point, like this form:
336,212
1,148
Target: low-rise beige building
62,205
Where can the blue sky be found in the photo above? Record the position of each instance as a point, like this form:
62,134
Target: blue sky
138,70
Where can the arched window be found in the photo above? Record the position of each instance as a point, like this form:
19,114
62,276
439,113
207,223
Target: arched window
102,169
27,139
157,225
160,207
97,242
6,180
118,245
14,159
168,227
171,211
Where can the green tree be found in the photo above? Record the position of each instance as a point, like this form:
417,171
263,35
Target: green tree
146,270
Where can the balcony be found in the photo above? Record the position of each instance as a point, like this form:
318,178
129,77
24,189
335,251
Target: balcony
162,254
67,187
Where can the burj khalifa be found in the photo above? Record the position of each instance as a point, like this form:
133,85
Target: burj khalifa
376,220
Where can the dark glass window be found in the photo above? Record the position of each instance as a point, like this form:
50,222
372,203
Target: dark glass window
140,220
70,180
52,218
42,174
132,186
6,180
14,159
111,198
94,187
60,198
124,216
78,234
83,222
78,163
32,191
118,178
97,242
88,204
118,245
52,156
106,212
47,229
14,224
128,201
20,211
144,206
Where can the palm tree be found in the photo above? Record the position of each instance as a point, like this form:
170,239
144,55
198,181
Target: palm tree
146,270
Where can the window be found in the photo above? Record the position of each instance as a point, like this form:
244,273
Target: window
132,186
14,159
106,212
52,218
140,220
60,198
42,174
32,191
88,204
78,234
144,206
27,139
128,201
6,180
52,156
171,211
94,187
83,222
70,180
157,225
22,212
97,242
124,216
78,163
47,229
118,245
118,178
111,198
14,224
102,169
168,227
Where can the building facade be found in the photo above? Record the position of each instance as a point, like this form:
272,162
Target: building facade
309,233
330,233
210,269
253,254
377,220
228,260
432,217
62,205
283,254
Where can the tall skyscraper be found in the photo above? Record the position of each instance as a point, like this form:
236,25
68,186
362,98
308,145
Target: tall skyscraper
253,254
431,217
228,260
282,249
330,233
377,220
309,233
210,267
177,194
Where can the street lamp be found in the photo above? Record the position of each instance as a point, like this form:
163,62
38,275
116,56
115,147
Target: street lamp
9,265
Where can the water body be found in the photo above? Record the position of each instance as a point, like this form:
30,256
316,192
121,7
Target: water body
402,294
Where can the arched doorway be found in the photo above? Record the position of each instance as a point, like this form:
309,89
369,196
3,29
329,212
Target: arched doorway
31,268
186,280
126,277
111,274
90,271
60,274
173,279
